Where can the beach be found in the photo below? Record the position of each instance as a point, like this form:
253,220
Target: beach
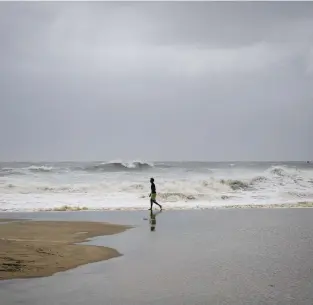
222,256
42,248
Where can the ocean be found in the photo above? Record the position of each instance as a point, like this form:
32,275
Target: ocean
114,185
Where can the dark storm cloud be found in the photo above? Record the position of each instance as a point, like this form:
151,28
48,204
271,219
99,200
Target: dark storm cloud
211,81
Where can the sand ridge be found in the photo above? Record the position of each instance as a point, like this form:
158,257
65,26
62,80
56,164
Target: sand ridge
42,248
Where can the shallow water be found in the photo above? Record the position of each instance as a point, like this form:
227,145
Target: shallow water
195,257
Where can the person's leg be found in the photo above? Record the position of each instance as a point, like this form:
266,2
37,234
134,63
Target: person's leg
157,204
152,199
151,203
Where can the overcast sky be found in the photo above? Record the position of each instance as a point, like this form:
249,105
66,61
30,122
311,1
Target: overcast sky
156,81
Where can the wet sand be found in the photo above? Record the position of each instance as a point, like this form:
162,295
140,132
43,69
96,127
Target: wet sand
42,248
222,257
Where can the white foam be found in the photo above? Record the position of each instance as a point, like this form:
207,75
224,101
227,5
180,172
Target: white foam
177,188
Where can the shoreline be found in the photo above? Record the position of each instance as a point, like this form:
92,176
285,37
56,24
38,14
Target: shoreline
31,249
67,208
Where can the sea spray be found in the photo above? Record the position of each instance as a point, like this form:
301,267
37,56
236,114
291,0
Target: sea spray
125,184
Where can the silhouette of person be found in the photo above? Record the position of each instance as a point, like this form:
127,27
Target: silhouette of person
153,195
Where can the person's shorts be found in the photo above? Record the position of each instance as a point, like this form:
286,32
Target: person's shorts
153,196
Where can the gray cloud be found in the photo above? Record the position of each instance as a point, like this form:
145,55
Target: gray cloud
206,80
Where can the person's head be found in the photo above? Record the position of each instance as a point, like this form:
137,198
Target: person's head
151,180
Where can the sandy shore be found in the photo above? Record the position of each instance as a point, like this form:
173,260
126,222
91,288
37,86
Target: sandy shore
42,248
222,256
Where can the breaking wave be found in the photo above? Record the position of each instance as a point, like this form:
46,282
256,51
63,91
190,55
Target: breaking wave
235,184
278,171
119,166
29,169
94,167
169,189
180,184
9,172
40,169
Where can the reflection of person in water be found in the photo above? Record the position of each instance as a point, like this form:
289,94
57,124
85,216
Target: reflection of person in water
153,219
